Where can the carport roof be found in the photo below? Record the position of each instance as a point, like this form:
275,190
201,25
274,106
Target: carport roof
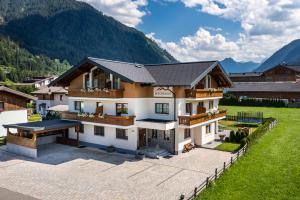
44,126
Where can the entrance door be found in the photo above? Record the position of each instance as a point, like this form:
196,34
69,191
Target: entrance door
142,137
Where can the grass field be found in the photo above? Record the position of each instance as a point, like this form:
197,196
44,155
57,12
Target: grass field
2,141
271,168
228,146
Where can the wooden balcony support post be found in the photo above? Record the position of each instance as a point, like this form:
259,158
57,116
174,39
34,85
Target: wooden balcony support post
77,132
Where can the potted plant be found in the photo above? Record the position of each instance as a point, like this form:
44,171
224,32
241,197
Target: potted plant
110,149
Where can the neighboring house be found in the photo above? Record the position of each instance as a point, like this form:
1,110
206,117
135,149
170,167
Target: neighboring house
13,107
38,81
132,106
280,82
49,97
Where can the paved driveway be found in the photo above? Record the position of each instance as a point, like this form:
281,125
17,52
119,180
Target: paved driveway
63,172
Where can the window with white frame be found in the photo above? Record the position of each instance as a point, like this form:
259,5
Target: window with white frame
211,104
187,133
162,108
208,129
121,134
78,106
1,105
99,130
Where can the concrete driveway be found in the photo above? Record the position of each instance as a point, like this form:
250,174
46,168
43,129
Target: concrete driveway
63,172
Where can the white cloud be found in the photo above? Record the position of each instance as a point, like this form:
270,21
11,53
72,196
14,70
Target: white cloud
267,25
128,12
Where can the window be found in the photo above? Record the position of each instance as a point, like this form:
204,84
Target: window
121,134
78,105
154,133
121,108
167,135
99,130
211,104
1,105
87,81
187,133
162,108
81,128
208,129
188,108
99,104
60,97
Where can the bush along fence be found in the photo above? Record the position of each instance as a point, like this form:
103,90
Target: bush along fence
268,124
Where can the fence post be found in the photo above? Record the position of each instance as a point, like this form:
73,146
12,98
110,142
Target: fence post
238,154
224,166
195,192
207,181
231,160
216,174
181,197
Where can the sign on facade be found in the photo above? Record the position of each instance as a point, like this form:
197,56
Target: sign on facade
162,92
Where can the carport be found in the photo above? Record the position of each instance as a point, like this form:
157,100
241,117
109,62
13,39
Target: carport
26,137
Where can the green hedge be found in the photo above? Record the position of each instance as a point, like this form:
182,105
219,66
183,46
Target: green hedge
260,131
232,101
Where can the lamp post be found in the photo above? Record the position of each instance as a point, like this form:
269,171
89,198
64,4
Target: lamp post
174,97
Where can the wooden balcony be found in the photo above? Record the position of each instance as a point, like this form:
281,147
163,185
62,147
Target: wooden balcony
105,119
200,118
96,93
203,93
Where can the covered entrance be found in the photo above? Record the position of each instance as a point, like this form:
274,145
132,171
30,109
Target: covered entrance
25,138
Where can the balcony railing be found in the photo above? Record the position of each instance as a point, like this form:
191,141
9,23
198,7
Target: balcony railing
105,119
96,93
203,93
200,118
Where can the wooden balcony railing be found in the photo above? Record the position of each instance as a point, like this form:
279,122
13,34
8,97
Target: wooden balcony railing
200,118
105,119
203,93
96,93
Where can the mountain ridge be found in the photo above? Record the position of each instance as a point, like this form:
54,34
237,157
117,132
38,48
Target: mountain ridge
73,30
232,66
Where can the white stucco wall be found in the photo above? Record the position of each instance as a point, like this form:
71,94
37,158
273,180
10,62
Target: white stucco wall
180,139
57,100
207,137
11,117
109,137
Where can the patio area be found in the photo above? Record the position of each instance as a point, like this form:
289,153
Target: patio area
63,172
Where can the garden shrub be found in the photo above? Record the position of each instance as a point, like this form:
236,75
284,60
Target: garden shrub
243,142
232,136
227,139
237,137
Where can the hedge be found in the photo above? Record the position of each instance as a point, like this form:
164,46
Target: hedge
232,101
260,131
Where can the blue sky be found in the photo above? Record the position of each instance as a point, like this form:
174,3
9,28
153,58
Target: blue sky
171,21
245,30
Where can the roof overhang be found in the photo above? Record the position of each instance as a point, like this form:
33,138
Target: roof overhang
224,77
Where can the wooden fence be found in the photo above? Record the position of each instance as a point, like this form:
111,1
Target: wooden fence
219,171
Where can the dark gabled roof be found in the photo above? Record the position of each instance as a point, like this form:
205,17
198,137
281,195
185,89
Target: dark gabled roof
180,74
44,125
294,68
132,71
175,74
18,93
265,87
51,90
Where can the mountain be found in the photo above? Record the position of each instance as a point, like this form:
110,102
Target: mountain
288,54
72,30
16,64
232,66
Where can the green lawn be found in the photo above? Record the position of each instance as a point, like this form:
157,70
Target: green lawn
227,146
271,168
